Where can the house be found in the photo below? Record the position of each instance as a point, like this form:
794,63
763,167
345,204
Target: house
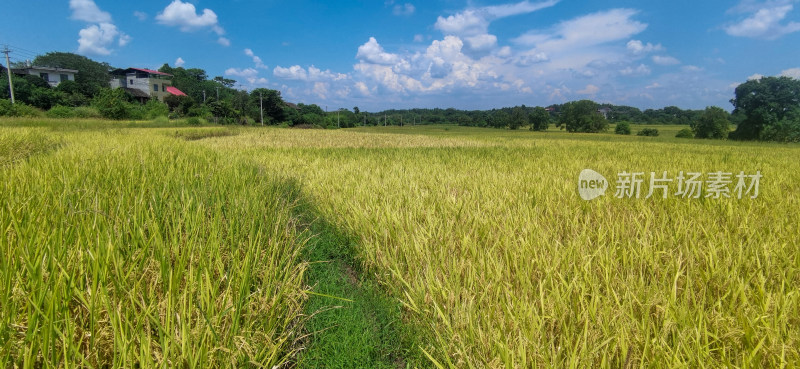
604,111
144,84
53,76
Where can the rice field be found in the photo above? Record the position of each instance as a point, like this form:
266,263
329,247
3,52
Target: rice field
181,246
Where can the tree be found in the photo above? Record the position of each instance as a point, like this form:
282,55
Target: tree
623,128
519,117
713,123
582,116
274,111
92,76
499,119
539,119
764,102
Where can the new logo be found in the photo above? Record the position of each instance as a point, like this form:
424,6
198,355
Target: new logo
591,184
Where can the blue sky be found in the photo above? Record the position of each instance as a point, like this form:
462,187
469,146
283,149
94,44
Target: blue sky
407,53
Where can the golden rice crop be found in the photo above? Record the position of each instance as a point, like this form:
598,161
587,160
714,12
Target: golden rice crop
488,245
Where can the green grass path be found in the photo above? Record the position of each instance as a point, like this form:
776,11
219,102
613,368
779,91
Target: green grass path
353,323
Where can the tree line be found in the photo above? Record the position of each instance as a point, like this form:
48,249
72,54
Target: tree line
764,109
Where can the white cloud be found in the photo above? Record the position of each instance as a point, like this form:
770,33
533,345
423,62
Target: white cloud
764,21
653,85
637,47
256,60
179,62
641,70
362,88
187,19
587,30
476,21
294,72
96,39
405,9
792,73
373,52
313,73
124,39
87,11
142,16
755,77
691,68
419,38
244,73
589,90
321,90
665,60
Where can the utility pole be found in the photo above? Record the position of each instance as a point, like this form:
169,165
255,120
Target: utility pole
261,106
8,69
337,119
217,93
204,96
384,120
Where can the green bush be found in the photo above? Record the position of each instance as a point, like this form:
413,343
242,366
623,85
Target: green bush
623,128
8,109
86,112
651,132
60,111
154,109
193,121
161,120
685,133
112,104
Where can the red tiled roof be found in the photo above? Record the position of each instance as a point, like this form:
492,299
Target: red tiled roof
175,91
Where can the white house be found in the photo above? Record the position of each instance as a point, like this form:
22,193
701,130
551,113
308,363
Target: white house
53,76
144,83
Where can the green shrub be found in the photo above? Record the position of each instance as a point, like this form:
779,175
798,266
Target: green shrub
193,121
623,128
154,109
112,104
8,109
60,111
685,133
161,120
86,112
786,130
651,132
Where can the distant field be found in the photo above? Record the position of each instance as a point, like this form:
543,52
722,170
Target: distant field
167,245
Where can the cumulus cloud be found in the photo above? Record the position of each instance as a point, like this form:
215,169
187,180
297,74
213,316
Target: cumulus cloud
405,9
791,73
313,73
179,62
589,90
764,20
187,19
476,21
244,73
637,47
256,60
641,70
88,11
96,38
665,60
472,25
373,52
